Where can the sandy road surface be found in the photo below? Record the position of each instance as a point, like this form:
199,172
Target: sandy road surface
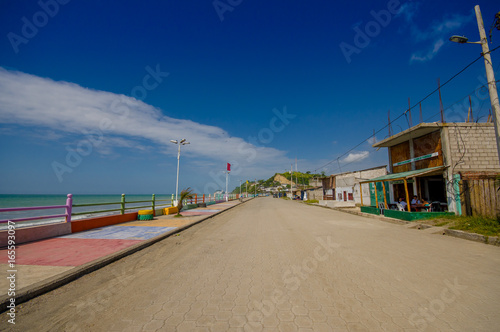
283,266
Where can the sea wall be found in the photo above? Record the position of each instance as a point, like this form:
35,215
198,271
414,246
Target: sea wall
29,234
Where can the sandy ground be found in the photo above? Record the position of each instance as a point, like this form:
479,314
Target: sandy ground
278,265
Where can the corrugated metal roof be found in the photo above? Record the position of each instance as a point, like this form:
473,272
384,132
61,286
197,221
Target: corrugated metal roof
406,175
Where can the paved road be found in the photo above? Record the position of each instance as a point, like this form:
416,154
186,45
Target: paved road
280,265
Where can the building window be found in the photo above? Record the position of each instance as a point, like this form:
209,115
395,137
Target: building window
350,197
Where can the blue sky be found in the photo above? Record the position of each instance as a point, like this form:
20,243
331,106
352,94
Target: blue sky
91,92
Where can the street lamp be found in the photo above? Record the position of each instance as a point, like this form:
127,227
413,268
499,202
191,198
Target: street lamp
179,143
490,75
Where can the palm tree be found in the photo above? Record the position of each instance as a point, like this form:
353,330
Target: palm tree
185,194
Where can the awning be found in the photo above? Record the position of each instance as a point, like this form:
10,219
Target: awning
407,175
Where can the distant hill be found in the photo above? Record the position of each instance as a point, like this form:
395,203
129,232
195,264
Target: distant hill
279,180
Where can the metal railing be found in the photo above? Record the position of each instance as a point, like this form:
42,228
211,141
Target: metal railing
67,213
152,204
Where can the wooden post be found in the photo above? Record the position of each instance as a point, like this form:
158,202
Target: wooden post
195,198
361,192
153,204
389,123
421,117
203,198
441,102
409,111
376,196
385,198
407,196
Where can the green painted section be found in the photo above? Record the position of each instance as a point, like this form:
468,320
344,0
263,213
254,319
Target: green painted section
190,206
412,216
122,210
380,193
430,155
456,188
145,217
210,203
370,209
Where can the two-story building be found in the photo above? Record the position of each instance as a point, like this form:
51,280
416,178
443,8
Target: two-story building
455,164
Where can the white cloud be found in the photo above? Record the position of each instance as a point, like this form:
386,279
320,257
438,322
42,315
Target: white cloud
372,140
435,34
356,156
430,54
118,121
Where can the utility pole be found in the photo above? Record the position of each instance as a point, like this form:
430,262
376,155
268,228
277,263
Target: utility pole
490,74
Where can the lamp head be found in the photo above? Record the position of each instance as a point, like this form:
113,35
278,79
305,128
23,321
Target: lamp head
173,141
459,39
184,143
183,140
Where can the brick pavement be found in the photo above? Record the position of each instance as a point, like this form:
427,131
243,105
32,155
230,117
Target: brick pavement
274,265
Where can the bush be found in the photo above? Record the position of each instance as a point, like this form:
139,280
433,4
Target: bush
478,225
312,201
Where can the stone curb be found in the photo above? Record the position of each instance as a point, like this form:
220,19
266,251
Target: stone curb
47,285
367,215
493,240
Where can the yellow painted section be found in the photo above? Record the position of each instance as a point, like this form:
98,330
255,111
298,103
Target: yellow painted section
145,212
170,210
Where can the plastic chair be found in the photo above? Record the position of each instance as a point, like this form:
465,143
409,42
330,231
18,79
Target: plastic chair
381,206
436,206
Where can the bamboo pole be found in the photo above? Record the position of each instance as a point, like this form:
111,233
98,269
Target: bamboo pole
361,192
407,196
385,198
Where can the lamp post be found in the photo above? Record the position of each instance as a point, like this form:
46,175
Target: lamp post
490,75
179,143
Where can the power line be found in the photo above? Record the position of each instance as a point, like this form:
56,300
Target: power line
404,113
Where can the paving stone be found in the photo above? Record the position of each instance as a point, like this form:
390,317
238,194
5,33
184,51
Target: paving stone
244,271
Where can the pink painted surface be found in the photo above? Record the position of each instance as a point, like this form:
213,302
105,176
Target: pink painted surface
65,252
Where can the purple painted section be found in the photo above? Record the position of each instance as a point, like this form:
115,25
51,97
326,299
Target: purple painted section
69,206
121,233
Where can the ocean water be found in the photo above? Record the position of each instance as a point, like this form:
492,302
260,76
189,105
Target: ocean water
9,201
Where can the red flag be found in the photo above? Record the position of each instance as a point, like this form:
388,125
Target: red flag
228,167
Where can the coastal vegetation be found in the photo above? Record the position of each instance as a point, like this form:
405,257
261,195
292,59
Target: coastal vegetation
185,194
301,179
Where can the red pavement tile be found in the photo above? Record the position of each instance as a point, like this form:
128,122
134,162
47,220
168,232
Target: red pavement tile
65,252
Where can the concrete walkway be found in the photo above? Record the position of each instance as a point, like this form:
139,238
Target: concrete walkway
278,265
38,262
